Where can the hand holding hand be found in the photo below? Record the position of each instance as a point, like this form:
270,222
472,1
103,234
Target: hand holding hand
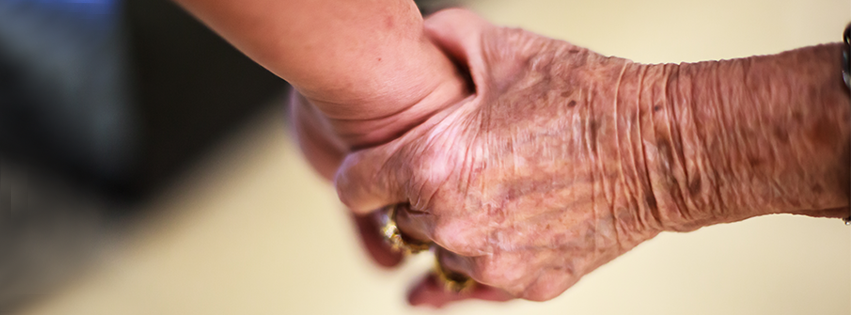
563,159
520,184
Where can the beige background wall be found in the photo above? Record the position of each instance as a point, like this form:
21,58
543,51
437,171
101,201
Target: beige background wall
252,231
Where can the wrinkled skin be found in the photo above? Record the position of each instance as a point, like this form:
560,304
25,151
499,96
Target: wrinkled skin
520,182
562,159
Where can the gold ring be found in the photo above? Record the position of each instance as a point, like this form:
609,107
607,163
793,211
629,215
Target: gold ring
394,237
452,281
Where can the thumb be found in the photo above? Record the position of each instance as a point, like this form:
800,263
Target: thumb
429,291
370,179
459,33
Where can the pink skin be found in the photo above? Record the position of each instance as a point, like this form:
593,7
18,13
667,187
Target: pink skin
563,159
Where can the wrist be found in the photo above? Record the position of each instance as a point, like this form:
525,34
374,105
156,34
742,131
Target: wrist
322,149
326,131
416,92
371,131
759,135
661,159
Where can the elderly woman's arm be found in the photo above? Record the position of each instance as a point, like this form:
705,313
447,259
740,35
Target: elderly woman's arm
565,159
733,139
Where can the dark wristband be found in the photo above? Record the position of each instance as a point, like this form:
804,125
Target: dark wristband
846,75
846,54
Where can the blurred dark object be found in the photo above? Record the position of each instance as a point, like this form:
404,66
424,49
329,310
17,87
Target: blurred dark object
118,95
63,91
49,231
428,7
101,102
191,86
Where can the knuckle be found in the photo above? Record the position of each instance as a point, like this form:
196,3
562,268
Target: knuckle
547,286
344,192
541,290
492,275
498,271
449,237
461,236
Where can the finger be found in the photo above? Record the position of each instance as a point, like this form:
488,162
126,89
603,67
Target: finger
414,224
370,233
321,147
464,266
456,236
430,292
458,32
456,263
369,179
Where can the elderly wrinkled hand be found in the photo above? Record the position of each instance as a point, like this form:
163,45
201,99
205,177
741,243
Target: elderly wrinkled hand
564,159
518,184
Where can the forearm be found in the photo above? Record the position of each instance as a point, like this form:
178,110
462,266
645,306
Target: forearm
357,60
734,139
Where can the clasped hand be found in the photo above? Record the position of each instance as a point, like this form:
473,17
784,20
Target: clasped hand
520,184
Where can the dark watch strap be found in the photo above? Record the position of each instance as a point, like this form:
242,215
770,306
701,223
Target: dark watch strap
846,75
846,54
